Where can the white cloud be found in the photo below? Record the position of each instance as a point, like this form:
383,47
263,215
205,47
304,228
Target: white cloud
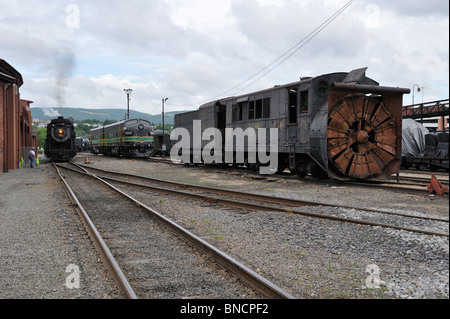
191,51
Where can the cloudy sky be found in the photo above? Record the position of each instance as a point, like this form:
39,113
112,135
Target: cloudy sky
85,53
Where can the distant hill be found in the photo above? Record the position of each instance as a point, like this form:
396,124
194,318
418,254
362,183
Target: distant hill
80,114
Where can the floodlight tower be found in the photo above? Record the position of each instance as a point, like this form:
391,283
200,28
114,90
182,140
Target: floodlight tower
128,92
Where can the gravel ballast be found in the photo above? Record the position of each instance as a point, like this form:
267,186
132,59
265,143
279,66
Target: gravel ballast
43,242
309,257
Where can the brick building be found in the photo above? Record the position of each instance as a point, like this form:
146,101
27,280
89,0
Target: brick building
16,131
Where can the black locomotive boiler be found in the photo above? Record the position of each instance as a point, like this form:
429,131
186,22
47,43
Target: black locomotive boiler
341,125
60,141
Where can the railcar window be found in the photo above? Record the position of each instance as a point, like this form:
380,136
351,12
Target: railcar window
293,105
251,110
304,105
322,87
237,112
259,109
266,107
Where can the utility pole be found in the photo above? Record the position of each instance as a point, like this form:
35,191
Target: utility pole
163,144
128,92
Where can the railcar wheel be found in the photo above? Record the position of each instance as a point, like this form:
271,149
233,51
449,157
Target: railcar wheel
316,171
422,166
361,137
302,166
280,169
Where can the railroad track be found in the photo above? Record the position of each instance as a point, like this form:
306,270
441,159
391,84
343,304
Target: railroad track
426,173
405,183
160,264
255,202
423,179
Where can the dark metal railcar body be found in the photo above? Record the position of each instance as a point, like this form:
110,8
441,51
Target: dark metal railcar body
60,140
435,155
129,138
82,144
342,125
162,142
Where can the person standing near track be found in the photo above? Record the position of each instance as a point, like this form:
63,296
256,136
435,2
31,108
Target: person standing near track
32,157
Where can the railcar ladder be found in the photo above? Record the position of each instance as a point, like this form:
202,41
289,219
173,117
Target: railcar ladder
292,157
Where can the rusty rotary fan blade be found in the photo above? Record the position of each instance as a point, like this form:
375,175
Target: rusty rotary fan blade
361,136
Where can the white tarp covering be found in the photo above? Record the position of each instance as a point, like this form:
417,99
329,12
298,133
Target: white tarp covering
413,138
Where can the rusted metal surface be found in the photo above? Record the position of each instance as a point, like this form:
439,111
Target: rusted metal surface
436,187
364,131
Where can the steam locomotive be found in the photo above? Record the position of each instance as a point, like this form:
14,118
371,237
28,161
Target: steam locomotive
60,140
341,125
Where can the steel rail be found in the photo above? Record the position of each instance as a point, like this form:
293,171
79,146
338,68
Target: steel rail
271,199
258,207
390,185
411,179
106,254
251,278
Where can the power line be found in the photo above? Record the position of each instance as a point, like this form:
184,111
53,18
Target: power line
286,54
308,38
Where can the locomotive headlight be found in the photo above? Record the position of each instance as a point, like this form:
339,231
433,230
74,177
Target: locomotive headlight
60,133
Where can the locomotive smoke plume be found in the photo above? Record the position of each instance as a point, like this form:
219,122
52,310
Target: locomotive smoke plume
50,112
63,64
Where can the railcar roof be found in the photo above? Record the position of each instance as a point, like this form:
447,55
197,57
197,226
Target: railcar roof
119,123
276,87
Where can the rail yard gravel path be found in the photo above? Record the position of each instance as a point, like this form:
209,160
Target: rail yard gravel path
157,263
308,257
42,241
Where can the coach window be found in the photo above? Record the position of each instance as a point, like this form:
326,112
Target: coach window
304,102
